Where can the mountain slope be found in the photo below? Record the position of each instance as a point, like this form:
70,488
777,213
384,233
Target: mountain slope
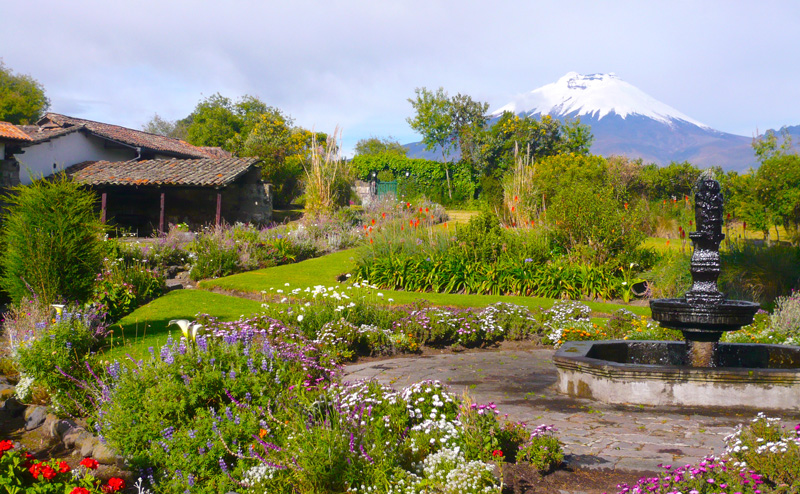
626,121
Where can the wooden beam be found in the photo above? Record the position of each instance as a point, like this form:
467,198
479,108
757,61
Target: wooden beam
161,215
219,207
103,206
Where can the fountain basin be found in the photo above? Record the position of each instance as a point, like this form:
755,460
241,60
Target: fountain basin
754,376
727,315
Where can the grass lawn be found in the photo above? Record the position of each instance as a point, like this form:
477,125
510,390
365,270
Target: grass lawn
324,271
147,326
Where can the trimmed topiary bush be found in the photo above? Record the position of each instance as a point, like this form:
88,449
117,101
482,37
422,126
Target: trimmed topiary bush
53,241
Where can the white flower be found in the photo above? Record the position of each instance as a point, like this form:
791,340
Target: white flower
380,294
300,318
285,284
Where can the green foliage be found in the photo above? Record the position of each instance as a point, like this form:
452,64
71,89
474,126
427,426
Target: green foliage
63,348
769,450
124,285
53,241
534,137
417,177
377,145
218,121
588,222
759,273
21,472
670,276
22,98
542,450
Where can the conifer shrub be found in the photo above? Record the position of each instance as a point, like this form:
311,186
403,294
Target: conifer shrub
53,241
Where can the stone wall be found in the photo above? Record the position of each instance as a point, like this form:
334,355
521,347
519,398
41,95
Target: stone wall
365,191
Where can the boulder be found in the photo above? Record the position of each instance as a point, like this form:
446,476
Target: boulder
34,417
106,456
58,428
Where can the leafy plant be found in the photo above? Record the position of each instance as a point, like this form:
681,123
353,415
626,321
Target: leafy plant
52,239
58,358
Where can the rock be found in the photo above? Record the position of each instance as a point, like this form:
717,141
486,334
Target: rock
12,406
59,427
75,437
88,447
105,455
6,392
34,417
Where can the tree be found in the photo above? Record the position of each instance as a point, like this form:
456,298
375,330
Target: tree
167,128
434,121
218,121
376,145
468,119
22,98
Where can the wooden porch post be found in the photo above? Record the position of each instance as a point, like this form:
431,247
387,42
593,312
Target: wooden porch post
219,206
161,215
103,203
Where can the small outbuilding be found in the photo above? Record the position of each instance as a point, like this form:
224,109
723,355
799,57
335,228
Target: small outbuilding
145,196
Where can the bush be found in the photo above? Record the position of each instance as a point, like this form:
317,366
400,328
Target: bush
125,285
53,241
57,358
589,216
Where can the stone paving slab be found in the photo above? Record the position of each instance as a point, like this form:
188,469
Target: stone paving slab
521,381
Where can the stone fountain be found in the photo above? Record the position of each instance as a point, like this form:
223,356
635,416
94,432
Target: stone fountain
699,371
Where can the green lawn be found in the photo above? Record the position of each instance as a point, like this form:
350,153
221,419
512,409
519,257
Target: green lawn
324,271
147,326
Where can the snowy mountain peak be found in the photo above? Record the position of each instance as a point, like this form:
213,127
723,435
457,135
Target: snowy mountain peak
596,95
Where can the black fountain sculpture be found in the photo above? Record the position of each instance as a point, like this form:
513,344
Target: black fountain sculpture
699,371
704,313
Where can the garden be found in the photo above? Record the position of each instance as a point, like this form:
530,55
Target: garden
239,386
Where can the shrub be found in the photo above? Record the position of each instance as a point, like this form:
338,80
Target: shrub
542,449
589,216
53,241
125,285
58,358
328,178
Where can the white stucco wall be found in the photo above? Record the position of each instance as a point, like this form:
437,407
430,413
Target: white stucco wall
44,158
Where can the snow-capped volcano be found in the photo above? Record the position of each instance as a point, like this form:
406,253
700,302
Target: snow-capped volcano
595,95
626,121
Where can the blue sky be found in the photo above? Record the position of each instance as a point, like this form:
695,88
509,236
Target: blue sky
730,64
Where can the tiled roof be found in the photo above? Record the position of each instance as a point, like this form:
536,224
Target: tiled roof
216,152
10,131
206,172
156,143
40,134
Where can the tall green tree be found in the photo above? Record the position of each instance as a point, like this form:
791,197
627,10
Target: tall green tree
434,121
22,98
468,119
221,122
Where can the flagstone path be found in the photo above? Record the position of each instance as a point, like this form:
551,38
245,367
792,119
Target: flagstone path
520,381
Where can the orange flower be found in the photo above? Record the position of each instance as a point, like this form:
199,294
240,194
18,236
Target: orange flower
262,433
445,224
373,221
370,241
383,215
516,198
512,209
626,205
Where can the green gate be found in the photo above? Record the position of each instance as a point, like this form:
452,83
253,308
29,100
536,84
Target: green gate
384,188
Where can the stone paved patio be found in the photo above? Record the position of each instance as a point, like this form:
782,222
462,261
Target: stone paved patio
520,380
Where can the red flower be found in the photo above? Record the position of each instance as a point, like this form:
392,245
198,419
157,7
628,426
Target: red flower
497,453
79,490
63,467
48,472
426,210
5,445
89,463
116,484
373,221
383,215
36,470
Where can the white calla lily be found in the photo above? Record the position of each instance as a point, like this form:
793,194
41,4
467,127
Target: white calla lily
189,330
